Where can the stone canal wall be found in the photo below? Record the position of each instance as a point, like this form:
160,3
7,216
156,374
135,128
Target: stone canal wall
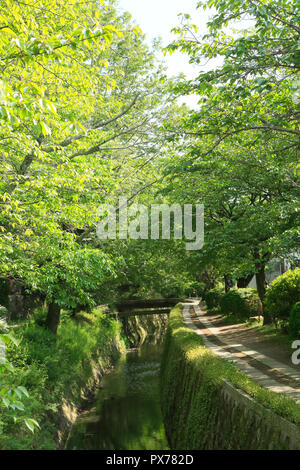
141,328
207,403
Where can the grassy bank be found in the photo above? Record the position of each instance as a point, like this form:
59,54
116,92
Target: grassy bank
57,374
192,402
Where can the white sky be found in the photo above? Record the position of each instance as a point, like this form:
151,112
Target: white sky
156,18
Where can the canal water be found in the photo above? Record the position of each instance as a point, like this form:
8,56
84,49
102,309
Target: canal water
126,414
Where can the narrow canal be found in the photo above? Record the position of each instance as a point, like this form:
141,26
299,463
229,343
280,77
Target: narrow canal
126,414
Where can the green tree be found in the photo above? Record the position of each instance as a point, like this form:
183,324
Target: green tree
83,100
243,143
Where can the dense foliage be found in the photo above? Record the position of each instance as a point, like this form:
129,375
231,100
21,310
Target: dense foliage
80,94
294,320
52,371
242,303
11,397
87,115
213,297
282,294
240,154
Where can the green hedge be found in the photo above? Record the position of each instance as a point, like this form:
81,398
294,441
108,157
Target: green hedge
282,294
191,381
213,297
242,303
294,321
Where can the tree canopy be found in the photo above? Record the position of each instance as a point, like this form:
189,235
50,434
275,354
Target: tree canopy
243,141
87,115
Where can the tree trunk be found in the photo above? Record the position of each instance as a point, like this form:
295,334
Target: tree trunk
53,316
243,282
15,301
227,283
209,280
261,289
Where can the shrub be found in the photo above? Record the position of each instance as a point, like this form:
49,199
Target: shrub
213,297
3,311
234,303
241,303
39,316
252,300
294,320
282,294
195,289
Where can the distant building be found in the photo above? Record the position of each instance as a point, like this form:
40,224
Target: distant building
277,267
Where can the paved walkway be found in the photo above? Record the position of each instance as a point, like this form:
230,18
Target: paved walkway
236,344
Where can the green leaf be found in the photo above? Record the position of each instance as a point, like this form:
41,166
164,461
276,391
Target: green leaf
23,390
32,424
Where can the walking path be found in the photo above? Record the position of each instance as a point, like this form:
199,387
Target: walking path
247,350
